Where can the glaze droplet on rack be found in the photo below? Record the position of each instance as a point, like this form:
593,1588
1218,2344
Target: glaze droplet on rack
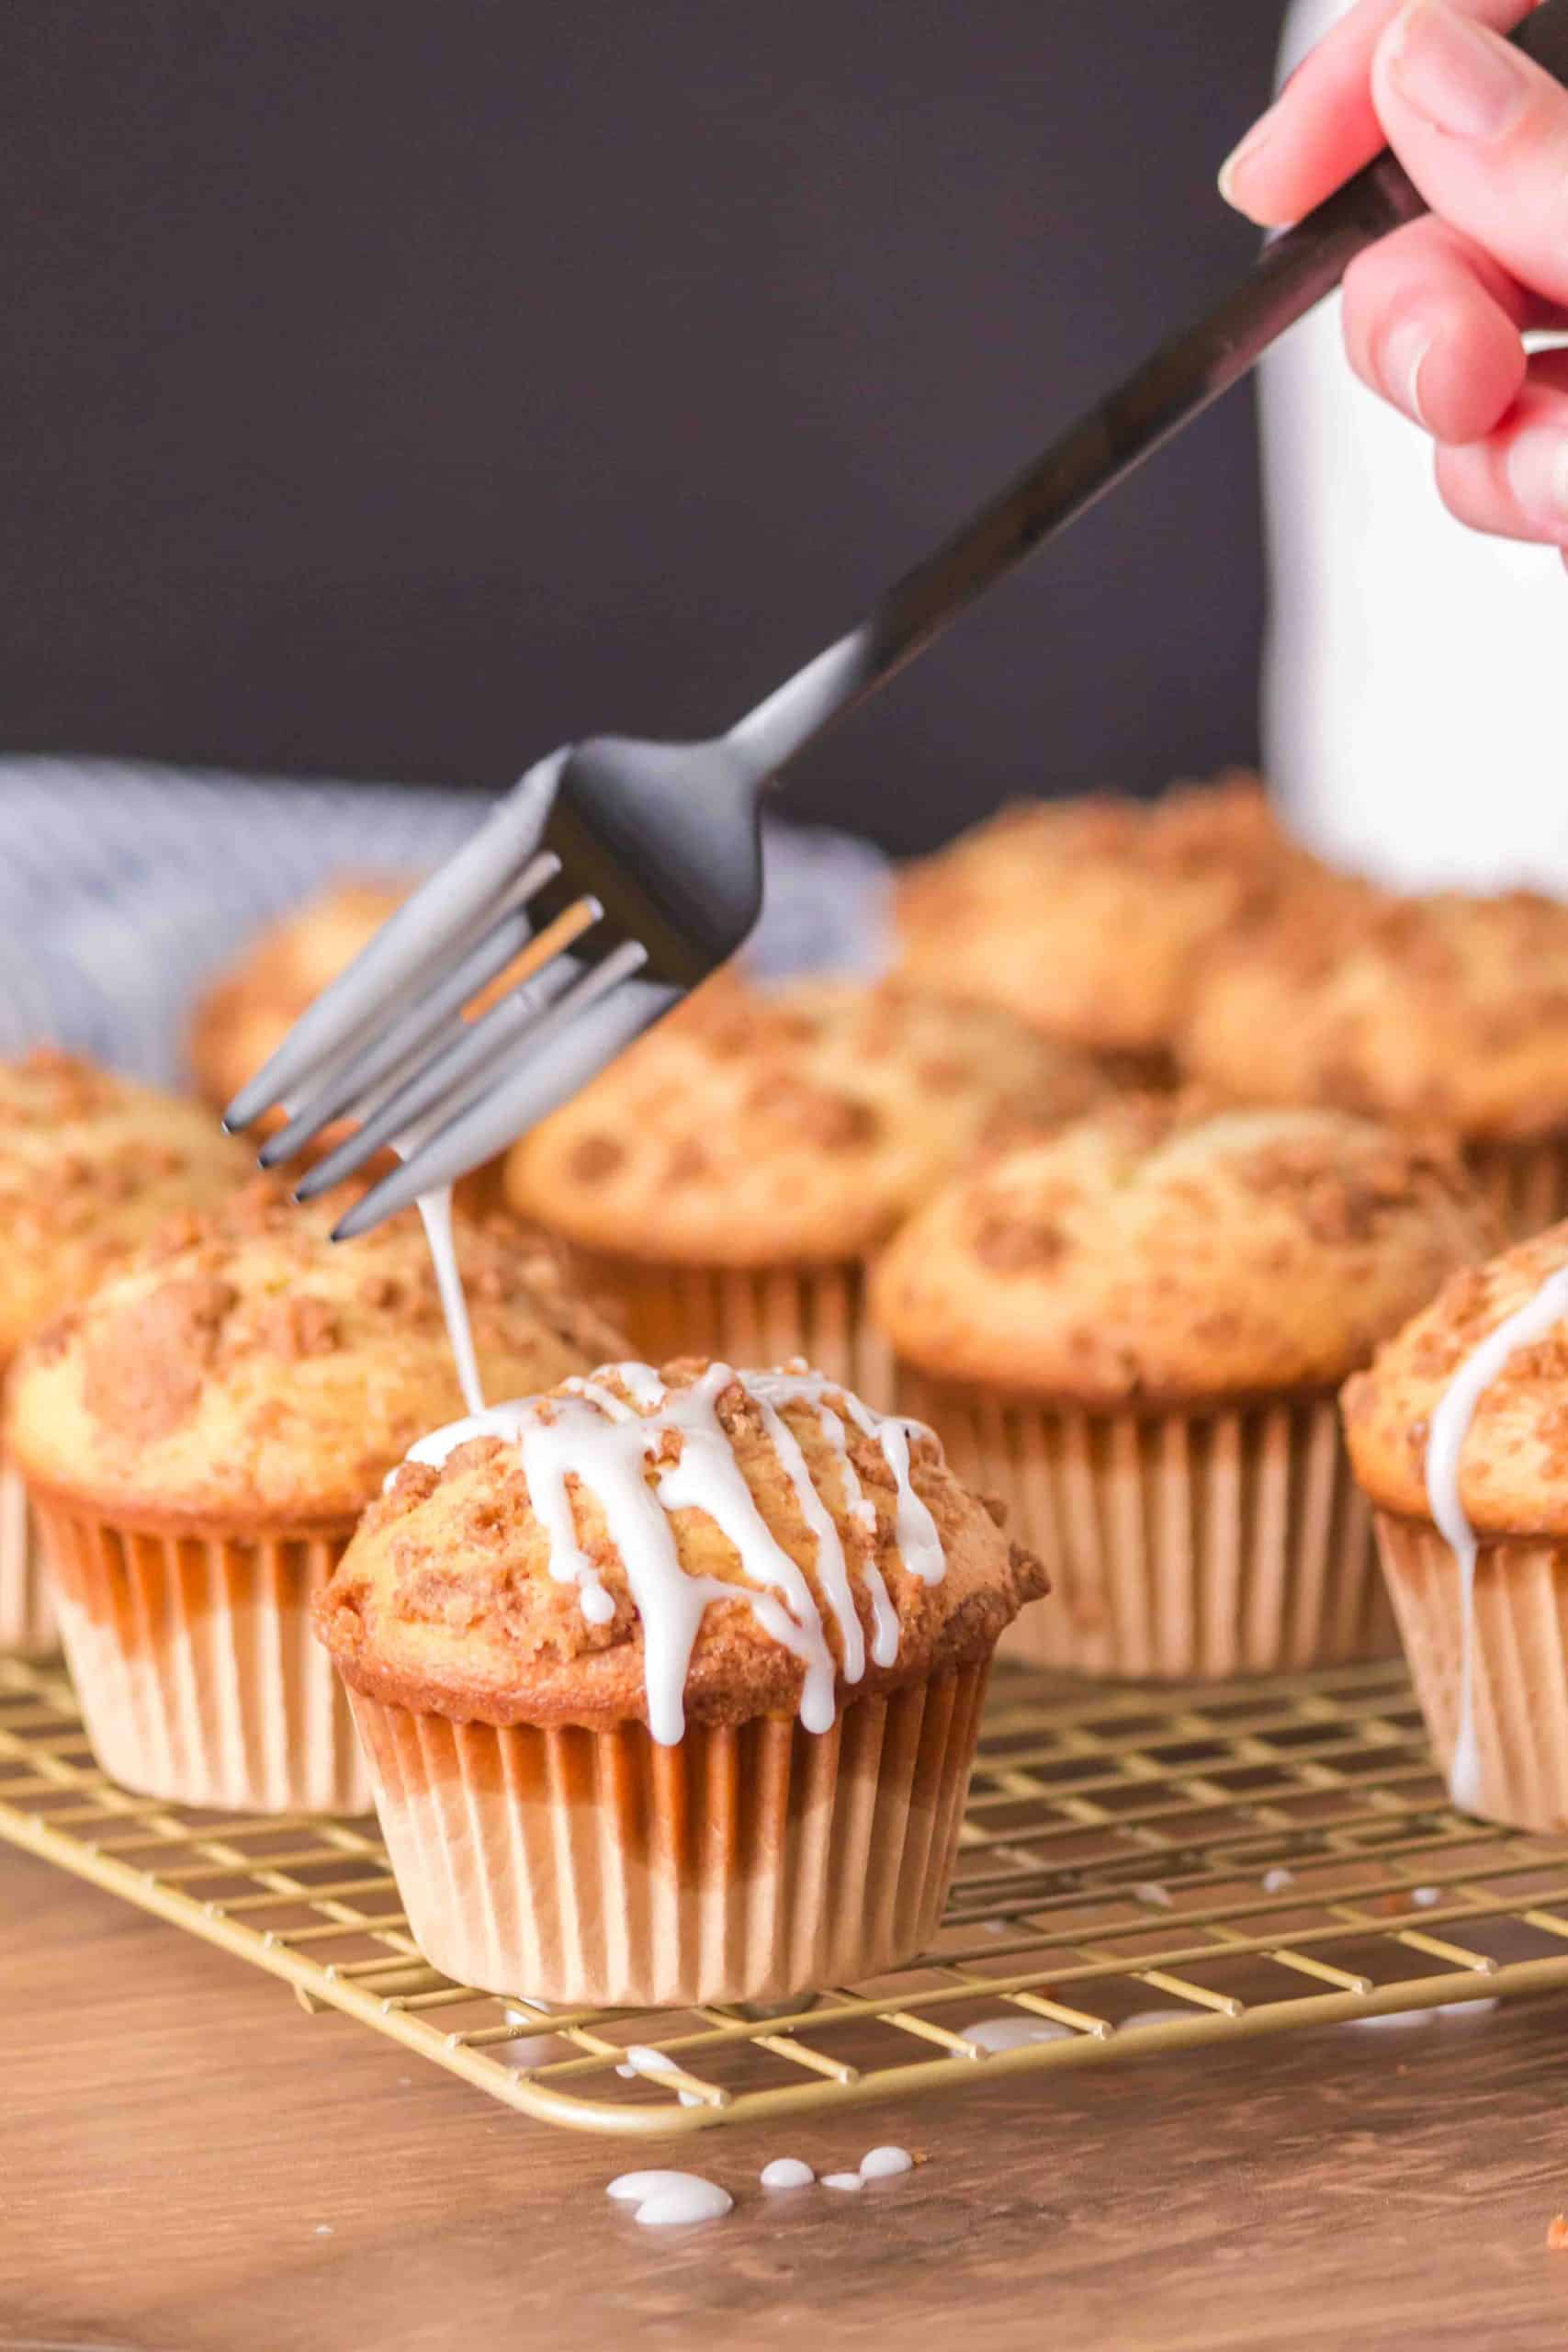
1451,1426
591,1435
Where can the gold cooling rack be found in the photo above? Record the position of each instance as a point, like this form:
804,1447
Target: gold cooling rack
1138,1869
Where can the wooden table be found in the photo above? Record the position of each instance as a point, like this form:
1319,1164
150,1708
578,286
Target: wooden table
187,2161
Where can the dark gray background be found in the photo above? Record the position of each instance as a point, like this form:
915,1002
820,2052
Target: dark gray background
398,390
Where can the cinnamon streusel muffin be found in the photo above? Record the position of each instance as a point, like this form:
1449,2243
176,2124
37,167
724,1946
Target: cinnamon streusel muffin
1136,1332
1444,1011
90,1164
669,1684
1088,918
1459,1434
197,1440
725,1180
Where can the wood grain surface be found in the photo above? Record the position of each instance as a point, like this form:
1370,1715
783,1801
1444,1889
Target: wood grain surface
187,2162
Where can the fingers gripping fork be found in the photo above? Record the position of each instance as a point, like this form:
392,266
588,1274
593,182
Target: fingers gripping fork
653,850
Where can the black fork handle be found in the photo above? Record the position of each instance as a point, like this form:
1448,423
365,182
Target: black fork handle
1179,380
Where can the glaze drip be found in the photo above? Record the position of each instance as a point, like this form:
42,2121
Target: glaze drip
1445,1448
592,1434
435,1214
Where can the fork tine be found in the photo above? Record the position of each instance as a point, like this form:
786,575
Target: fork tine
607,1009
439,917
439,1083
377,1061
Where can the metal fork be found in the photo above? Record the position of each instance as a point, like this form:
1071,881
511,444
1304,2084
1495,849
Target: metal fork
649,853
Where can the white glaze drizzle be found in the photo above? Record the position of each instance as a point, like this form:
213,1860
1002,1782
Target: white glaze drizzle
594,1436
1450,1427
435,1214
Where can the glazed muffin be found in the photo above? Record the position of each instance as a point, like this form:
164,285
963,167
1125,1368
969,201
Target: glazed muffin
248,1012
1460,1437
669,1684
1089,918
197,1440
1135,1331
726,1180
90,1164
1446,1011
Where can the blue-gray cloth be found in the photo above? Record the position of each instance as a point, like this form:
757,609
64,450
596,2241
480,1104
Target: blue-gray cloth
124,888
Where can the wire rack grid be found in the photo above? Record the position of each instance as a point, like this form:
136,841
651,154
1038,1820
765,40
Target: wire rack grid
1138,1869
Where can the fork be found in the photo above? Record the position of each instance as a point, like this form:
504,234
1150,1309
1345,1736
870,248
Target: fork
633,869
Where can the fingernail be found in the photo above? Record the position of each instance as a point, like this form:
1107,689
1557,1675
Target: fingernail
1538,476
1462,78
1240,156
1406,347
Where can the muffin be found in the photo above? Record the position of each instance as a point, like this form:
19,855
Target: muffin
197,1439
669,1684
247,1012
725,1180
1458,1435
1134,1332
1446,1011
90,1165
1089,918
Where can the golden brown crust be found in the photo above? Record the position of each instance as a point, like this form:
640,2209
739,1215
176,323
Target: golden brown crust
245,1372
1159,1250
1514,1469
445,1602
796,1127
1088,918
1444,1011
248,1012
90,1165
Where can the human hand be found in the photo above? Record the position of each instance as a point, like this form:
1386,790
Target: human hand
1435,315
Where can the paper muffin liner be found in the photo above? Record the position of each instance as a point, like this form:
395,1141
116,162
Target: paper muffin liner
1180,1545
199,1677
28,1625
1520,1661
749,1317
748,1862
1526,1182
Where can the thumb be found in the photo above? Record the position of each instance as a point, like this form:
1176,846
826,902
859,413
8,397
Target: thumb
1482,132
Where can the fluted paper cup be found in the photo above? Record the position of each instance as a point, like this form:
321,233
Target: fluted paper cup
1527,1182
1180,1545
27,1627
199,1677
1520,1662
748,1315
748,1862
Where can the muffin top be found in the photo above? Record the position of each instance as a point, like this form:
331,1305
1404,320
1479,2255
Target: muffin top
91,1165
793,1127
246,1014
698,1544
1158,1250
245,1370
1087,918
1447,1011
1513,1464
